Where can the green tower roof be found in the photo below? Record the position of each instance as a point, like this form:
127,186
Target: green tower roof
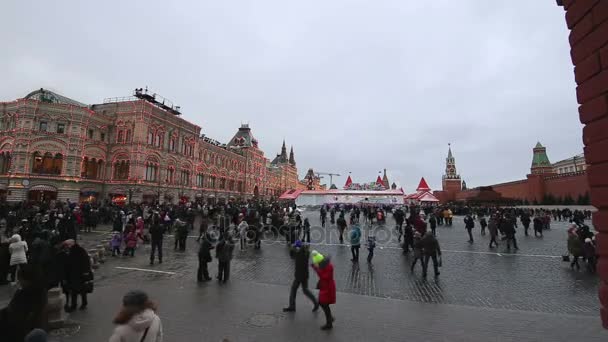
540,158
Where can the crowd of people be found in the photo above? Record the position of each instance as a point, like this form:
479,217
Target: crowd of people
45,237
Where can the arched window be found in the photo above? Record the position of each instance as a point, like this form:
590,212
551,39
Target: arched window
172,144
47,163
5,162
158,139
151,172
119,137
150,137
128,137
91,168
121,170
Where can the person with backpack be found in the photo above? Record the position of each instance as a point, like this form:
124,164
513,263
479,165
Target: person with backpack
156,236
137,320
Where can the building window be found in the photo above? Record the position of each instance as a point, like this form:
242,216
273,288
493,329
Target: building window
128,137
90,134
60,128
150,137
170,175
185,177
172,144
5,162
91,168
47,163
121,170
200,180
151,172
103,137
119,137
157,140
43,126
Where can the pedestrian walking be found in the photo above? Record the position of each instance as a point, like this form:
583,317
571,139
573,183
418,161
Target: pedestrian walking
243,228
77,274
18,250
433,224
417,252
306,232
157,231
130,241
204,258
493,229
301,255
575,247
137,320
355,242
469,224
371,245
341,223
223,253
432,250
326,285
115,243
483,223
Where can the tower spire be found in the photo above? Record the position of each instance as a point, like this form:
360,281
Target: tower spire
292,159
284,153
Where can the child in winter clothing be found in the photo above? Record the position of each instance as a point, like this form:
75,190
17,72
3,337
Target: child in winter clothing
131,241
115,243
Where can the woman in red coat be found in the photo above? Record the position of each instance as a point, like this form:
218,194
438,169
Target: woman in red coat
327,286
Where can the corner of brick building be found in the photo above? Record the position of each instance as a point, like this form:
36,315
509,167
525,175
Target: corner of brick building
588,22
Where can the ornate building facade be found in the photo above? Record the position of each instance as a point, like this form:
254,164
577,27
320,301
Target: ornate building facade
136,148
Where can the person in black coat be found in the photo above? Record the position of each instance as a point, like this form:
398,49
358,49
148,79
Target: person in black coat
204,257
431,249
5,258
27,308
77,273
301,254
469,224
156,236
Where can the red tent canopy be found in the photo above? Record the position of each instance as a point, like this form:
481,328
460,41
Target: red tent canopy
349,181
423,186
379,181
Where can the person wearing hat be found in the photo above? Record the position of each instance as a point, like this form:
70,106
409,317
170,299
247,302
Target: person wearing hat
301,255
326,285
589,254
137,320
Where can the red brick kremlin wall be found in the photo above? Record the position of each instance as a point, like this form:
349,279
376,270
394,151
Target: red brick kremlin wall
588,22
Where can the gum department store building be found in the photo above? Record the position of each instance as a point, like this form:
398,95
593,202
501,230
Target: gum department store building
135,148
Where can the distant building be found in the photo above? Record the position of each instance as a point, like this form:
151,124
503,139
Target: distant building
546,182
576,163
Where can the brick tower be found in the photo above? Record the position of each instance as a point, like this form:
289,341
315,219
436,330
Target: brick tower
452,183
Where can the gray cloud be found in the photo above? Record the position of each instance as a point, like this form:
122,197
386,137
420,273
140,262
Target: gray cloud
354,85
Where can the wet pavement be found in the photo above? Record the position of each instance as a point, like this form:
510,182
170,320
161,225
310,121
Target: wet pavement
481,290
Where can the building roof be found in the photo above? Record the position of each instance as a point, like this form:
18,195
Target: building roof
243,138
44,95
349,181
569,160
540,158
423,186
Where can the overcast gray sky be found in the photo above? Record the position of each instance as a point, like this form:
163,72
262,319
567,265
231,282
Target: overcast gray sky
354,85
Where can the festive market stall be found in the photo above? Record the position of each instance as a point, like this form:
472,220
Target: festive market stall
422,195
321,197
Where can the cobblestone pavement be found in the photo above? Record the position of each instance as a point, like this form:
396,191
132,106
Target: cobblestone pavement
531,283
531,279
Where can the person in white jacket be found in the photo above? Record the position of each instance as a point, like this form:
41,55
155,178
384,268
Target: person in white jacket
17,248
137,320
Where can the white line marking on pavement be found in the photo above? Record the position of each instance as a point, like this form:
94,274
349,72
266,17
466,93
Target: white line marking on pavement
144,270
498,254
